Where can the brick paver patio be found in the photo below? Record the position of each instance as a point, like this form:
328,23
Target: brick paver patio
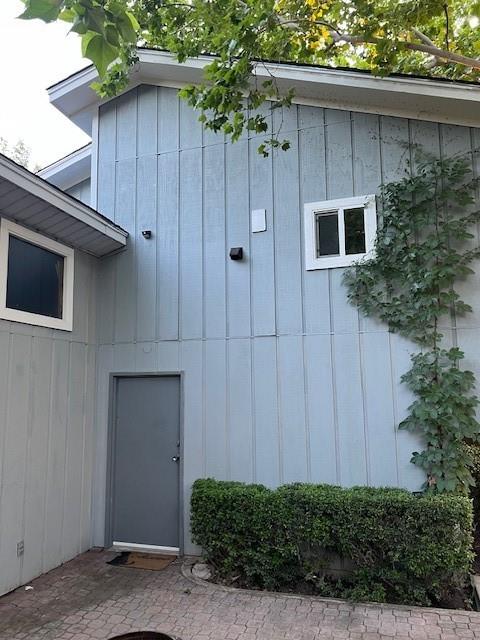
87,599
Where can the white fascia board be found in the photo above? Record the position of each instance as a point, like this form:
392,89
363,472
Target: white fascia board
69,171
364,80
66,86
38,187
431,100
298,74
75,98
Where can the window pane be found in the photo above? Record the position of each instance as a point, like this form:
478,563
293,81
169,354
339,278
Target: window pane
327,234
35,279
354,231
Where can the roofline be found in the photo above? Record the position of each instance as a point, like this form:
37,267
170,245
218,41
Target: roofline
87,74
283,63
428,99
37,186
72,156
68,171
88,67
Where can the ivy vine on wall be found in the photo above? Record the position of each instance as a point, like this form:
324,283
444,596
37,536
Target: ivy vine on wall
423,249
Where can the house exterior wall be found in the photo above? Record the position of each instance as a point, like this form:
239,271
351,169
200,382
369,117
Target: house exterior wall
81,191
47,391
284,380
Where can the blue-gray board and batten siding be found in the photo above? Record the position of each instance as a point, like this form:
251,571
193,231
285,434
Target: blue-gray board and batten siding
47,405
81,191
284,380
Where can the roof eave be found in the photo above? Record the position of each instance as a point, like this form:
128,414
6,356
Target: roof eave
410,97
54,197
70,170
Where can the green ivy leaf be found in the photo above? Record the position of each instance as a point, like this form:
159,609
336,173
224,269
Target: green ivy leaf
421,252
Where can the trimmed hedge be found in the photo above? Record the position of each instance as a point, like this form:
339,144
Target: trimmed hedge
473,450
405,548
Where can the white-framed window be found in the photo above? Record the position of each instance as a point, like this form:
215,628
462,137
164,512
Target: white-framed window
36,278
338,232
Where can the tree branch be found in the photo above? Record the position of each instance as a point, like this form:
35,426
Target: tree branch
431,49
295,24
421,36
474,63
434,61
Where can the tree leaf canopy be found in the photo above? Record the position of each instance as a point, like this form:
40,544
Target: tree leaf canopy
427,37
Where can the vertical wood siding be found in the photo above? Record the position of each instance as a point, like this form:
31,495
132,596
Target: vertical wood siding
81,191
284,380
47,391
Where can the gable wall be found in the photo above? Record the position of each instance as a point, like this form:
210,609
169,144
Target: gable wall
284,380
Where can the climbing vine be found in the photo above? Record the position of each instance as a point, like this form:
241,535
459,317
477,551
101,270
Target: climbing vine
423,249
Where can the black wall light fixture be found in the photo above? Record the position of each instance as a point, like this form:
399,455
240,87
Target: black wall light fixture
236,253
147,234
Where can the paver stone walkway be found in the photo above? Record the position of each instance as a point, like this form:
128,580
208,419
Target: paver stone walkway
87,599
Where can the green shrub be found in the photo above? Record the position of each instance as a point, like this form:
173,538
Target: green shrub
473,450
402,547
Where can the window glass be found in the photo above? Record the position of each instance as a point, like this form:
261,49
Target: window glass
327,234
34,279
354,231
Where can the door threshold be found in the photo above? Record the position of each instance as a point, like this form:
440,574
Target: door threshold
144,548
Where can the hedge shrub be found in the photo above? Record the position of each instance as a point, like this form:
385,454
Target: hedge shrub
405,548
473,450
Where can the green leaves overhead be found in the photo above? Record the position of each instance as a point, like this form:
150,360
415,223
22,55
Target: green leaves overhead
98,48
46,10
108,30
430,38
128,26
422,249
106,35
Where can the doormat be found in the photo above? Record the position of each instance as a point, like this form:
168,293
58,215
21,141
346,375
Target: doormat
134,560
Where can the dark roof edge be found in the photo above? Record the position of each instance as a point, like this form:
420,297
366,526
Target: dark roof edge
65,157
304,65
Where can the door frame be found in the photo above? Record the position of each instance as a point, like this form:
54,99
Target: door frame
112,410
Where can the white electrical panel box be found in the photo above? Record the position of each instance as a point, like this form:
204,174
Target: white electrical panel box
259,220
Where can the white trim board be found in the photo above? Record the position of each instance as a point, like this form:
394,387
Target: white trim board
65,323
70,170
311,209
94,160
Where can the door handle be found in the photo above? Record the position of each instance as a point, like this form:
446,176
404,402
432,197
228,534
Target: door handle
175,458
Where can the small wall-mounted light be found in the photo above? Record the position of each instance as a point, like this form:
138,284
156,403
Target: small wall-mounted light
147,234
236,253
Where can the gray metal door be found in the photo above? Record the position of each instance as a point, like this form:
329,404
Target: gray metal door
146,449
